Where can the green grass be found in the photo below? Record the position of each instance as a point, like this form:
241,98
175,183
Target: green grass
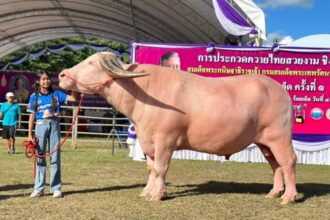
97,185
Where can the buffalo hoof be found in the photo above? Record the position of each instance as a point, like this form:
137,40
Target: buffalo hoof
155,198
144,193
274,194
148,197
286,201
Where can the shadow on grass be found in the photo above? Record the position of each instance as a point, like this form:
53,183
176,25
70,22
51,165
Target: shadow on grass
111,188
15,187
307,190
66,193
310,190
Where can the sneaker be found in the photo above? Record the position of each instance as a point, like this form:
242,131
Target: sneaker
36,194
57,194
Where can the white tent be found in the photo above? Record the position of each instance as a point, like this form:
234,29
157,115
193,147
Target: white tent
315,41
240,17
255,14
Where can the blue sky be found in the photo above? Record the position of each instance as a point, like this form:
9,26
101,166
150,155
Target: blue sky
295,18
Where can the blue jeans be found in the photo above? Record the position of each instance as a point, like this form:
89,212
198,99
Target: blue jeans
48,133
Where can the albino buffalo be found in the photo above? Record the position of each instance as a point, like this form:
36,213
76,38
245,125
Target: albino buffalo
175,110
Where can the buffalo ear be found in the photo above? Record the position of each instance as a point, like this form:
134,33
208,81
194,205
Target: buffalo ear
131,67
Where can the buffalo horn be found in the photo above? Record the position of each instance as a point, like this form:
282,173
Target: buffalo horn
113,67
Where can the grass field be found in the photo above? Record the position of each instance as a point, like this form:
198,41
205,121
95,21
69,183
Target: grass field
97,185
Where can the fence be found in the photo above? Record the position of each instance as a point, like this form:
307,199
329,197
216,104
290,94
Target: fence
92,122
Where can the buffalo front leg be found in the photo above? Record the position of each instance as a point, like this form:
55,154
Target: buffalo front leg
158,172
146,192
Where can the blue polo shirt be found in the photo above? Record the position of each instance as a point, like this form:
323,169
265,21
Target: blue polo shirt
45,104
10,112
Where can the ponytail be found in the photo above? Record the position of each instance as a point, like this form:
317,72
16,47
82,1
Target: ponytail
35,104
54,103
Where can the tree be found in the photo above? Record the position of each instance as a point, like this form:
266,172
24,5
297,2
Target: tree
55,62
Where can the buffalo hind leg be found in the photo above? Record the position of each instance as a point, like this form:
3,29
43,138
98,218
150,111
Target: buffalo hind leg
278,181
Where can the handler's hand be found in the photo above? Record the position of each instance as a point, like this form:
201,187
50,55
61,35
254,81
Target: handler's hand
73,97
30,138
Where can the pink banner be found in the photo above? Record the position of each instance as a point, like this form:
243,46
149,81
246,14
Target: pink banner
305,74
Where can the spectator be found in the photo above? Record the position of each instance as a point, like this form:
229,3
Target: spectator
138,154
10,111
135,149
131,138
